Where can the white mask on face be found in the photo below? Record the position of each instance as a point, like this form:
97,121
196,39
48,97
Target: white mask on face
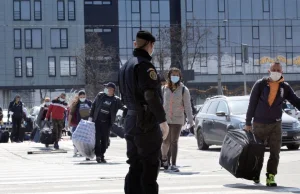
61,99
82,99
275,76
47,103
106,91
152,52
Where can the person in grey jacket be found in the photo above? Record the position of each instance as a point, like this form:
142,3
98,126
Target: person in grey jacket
103,114
177,105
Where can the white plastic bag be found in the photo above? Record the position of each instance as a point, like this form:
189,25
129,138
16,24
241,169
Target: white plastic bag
84,138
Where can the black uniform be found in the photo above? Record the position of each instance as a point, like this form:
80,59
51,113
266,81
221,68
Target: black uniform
141,93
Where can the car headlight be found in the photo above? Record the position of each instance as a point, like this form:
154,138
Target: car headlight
296,125
242,125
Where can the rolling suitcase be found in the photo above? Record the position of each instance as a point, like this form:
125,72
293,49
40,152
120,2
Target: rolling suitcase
46,136
4,136
242,154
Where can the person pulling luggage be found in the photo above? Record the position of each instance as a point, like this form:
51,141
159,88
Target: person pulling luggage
57,112
265,108
103,114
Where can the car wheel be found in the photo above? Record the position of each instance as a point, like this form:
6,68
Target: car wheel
293,147
201,141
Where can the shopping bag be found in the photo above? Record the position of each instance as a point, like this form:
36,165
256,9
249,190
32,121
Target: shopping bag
84,138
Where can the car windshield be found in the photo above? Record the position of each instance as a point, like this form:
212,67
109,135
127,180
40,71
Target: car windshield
238,107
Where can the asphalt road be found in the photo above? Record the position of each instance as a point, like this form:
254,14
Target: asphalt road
61,173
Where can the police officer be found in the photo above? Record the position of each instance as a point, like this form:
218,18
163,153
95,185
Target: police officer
140,88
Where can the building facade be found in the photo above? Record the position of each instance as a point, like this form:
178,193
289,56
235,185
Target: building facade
268,27
40,39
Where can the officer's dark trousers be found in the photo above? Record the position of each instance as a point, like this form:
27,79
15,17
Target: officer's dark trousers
143,152
16,134
102,137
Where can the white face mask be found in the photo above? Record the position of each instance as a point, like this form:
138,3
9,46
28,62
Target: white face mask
152,52
61,99
82,99
106,91
47,103
275,76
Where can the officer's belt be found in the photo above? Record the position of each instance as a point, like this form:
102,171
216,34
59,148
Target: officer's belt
132,112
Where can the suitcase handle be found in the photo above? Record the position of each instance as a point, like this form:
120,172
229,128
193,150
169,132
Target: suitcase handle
254,138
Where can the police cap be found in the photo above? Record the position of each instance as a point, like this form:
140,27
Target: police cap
145,35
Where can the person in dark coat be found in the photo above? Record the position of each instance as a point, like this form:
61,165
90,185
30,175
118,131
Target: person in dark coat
15,110
103,114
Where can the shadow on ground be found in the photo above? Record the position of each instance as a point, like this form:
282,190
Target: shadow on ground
279,189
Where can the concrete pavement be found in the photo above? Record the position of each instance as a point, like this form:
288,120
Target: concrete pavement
60,173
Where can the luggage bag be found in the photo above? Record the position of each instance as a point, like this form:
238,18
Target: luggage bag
4,136
84,138
46,136
242,154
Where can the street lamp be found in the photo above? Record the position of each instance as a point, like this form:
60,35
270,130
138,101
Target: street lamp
220,90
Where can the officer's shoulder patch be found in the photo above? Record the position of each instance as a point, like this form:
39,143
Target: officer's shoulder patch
150,69
153,74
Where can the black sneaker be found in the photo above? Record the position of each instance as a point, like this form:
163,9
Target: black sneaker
165,164
103,160
98,159
271,180
56,146
87,159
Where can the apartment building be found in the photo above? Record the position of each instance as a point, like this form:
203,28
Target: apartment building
39,43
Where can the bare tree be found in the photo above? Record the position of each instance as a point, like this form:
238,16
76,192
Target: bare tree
187,43
98,62
43,95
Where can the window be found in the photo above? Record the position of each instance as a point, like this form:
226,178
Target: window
154,6
189,5
190,32
59,38
223,32
266,5
135,6
205,107
256,58
134,32
222,107
71,10
289,58
29,67
33,38
238,59
68,66
37,10
18,66
203,59
213,107
107,2
288,32
255,32
22,10
221,5
60,10
17,39
107,30
52,66
98,30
